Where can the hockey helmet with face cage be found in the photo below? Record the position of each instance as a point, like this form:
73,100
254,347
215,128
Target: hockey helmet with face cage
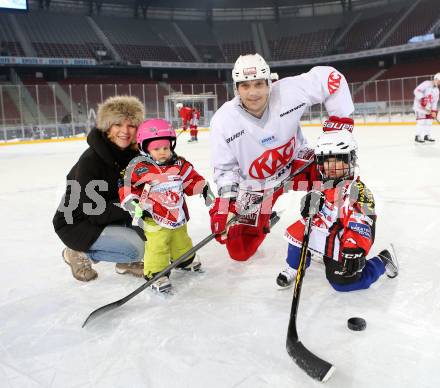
332,148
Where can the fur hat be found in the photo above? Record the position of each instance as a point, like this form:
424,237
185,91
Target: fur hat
116,109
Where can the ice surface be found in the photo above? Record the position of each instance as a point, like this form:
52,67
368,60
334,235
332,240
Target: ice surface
226,327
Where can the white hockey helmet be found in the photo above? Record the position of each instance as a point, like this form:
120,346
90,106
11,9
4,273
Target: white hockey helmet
250,67
340,145
437,77
179,105
274,76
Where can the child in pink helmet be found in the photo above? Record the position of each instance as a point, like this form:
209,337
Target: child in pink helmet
155,185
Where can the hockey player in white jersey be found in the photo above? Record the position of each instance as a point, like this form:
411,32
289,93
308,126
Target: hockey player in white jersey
257,142
425,107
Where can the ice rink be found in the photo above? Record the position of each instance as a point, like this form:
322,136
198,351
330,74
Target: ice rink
226,327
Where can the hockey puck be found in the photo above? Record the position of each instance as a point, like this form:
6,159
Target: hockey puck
356,324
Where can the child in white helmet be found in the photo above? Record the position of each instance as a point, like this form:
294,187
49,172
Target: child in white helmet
426,97
155,185
343,229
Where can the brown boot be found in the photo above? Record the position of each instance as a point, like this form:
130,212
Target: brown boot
135,269
80,265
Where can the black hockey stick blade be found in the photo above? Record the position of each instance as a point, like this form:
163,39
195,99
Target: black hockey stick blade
314,366
111,306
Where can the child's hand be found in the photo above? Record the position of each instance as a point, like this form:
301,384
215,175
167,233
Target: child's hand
138,212
353,260
208,195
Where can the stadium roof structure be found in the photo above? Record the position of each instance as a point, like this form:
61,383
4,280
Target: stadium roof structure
221,3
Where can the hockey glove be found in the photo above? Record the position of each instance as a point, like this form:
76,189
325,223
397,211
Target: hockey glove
221,213
353,260
136,212
335,123
208,195
434,114
312,203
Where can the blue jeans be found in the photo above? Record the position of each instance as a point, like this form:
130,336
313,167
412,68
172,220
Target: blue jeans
117,244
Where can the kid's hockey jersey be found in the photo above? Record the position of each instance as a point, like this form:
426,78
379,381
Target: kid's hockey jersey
347,220
160,189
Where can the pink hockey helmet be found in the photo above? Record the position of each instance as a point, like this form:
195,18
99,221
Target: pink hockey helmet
155,129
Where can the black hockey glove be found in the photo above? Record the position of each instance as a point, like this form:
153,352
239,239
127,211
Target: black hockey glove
312,203
208,195
353,260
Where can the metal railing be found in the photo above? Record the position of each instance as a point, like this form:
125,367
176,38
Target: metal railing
57,110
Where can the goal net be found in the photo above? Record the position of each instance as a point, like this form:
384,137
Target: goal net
206,103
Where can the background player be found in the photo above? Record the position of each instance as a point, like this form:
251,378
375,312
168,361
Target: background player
425,107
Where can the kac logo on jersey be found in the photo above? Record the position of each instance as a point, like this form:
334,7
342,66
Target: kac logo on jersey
333,82
363,230
272,160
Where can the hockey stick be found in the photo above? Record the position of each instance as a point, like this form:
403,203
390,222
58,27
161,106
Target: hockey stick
108,307
314,366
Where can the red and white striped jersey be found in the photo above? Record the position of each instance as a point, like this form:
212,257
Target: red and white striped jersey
347,220
160,189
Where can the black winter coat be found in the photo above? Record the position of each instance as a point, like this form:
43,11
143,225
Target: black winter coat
79,226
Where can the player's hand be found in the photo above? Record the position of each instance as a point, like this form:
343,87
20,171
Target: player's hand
434,114
335,123
221,213
353,260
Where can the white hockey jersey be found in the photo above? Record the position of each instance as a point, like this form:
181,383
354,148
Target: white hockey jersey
256,154
428,92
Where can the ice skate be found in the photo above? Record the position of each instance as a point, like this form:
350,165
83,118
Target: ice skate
191,265
285,278
429,139
389,259
418,139
162,285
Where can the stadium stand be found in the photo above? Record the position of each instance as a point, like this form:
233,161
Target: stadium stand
60,35
419,22
204,40
369,29
235,38
8,41
166,31
135,40
301,37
